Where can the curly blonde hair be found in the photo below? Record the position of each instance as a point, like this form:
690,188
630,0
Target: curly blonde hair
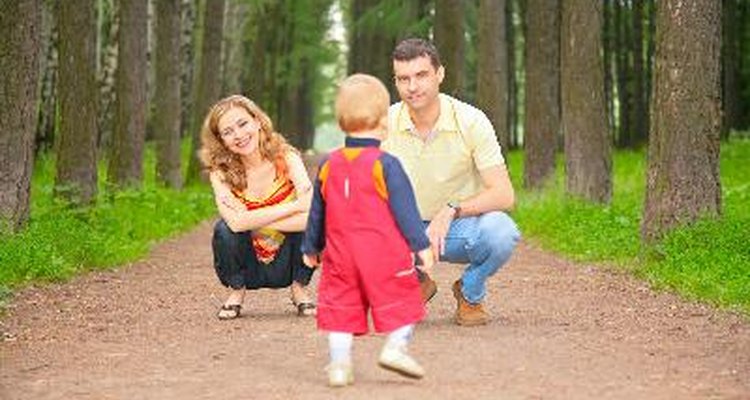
215,156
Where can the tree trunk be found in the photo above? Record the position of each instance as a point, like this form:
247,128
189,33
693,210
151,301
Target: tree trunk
639,117
129,134
20,27
449,39
588,158
622,59
608,52
254,78
189,30
235,18
167,94
209,78
731,56
650,6
683,157
542,117
44,138
492,68
516,68
108,27
371,42
76,145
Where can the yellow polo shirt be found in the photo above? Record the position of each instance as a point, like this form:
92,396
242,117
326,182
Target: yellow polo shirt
445,166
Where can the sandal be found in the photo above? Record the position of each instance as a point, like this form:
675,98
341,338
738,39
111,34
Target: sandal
305,309
301,301
229,311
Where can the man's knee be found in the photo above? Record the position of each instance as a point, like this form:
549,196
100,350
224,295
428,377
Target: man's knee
499,233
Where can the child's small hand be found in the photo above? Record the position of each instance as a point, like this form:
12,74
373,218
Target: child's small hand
311,260
428,261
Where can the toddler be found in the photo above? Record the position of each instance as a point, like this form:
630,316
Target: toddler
364,227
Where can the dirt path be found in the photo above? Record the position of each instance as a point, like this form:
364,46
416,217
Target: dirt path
560,331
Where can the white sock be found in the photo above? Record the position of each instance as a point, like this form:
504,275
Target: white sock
401,336
340,346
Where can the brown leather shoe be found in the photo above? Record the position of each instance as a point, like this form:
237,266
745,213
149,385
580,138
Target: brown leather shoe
468,314
428,288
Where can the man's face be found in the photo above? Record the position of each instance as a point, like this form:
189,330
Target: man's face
418,82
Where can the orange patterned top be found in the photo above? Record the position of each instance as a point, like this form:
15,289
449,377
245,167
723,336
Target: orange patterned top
266,241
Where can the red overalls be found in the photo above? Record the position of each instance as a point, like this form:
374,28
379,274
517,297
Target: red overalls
367,263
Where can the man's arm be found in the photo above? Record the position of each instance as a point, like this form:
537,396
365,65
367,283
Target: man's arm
498,194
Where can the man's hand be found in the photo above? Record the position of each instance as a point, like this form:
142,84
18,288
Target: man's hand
438,229
311,260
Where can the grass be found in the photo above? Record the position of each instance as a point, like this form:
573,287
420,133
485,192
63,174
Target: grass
707,261
61,241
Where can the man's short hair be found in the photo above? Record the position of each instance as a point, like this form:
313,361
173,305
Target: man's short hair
362,103
412,48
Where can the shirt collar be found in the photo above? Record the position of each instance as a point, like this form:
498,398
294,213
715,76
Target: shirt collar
361,142
445,122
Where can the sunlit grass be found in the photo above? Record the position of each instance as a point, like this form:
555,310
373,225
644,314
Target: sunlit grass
61,241
708,260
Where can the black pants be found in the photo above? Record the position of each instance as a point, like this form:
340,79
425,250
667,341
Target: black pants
238,267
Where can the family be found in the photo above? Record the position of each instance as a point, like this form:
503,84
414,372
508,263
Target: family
416,182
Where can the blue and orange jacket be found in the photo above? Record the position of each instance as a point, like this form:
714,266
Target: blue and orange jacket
392,185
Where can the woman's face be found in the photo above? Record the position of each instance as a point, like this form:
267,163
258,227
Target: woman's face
239,131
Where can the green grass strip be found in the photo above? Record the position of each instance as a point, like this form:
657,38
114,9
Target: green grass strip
708,261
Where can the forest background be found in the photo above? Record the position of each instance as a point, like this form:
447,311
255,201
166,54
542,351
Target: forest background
624,122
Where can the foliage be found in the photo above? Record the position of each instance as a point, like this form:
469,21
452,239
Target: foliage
62,241
709,260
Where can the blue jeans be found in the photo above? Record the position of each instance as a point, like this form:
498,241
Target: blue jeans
485,242
237,265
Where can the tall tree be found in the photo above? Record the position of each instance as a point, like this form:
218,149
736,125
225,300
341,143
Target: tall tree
608,54
190,32
306,26
623,73
45,129
126,150
492,68
730,62
449,39
588,158
167,94
255,75
20,27
208,78
542,116
371,41
235,18
76,144
514,33
108,27
639,118
375,26
683,156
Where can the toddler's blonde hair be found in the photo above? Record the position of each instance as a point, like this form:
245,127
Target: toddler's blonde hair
362,104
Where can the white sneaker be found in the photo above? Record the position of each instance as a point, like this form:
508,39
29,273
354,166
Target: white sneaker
394,358
340,374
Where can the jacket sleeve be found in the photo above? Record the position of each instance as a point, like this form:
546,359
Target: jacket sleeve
402,203
314,240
